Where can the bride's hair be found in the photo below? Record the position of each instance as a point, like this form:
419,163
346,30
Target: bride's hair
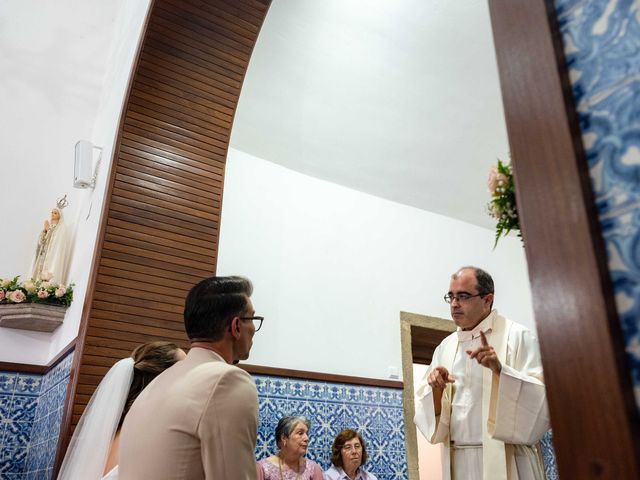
92,439
150,360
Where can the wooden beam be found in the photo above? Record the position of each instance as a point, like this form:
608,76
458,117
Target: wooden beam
593,414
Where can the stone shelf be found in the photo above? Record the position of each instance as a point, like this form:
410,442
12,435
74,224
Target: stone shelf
32,316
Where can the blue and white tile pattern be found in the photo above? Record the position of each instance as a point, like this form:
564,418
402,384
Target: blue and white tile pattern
602,47
31,409
18,401
375,412
549,456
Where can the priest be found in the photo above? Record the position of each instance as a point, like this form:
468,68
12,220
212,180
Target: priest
483,397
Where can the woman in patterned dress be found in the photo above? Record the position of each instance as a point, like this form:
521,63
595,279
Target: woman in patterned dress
292,438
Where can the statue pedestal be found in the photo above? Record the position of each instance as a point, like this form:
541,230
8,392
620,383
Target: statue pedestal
32,316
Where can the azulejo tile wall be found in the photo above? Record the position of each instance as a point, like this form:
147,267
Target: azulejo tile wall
602,47
549,457
18,402
375,412
31,409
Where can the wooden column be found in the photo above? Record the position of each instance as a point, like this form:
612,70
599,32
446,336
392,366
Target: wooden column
593,413
160,227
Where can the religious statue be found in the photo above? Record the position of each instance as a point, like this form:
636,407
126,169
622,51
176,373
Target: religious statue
51,260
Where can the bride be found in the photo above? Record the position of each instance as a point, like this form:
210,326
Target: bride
93,450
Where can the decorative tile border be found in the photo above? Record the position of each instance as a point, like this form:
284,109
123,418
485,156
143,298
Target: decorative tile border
331,407
602,47
18,401
31,409
48,417
549,456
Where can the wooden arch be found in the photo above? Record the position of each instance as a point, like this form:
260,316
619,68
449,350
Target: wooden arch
160,224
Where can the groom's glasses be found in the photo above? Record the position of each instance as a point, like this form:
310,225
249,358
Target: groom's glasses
257,321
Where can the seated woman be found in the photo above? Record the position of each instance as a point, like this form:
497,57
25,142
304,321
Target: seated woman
348,454
93,450
292,438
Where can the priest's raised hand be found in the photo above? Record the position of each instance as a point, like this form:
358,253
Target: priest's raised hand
485,355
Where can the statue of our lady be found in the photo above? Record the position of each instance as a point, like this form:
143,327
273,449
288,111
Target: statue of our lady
51,260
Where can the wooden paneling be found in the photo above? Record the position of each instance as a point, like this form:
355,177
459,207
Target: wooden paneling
593,413
160,227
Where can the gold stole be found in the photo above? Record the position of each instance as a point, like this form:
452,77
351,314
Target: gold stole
494,459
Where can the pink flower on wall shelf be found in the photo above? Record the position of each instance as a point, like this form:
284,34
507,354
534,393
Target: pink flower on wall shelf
35,291
16,296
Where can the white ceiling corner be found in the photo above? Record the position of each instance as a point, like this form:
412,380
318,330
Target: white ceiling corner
399,99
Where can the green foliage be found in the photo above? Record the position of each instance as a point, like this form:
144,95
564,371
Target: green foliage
503,205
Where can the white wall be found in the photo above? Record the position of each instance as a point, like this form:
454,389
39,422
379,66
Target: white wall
332,267
102,40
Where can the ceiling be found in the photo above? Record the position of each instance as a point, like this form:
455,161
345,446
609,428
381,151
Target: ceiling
396,98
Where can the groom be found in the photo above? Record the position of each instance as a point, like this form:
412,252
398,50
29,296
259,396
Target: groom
198,419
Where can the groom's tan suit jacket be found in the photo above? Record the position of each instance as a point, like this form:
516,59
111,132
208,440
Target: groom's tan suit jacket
197,420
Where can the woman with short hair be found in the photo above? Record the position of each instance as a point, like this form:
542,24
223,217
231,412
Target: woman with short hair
348,454
292,439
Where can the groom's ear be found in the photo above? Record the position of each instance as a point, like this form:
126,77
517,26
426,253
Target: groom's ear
234,327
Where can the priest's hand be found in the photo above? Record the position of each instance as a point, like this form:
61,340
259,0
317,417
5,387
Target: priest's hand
486,356
439,377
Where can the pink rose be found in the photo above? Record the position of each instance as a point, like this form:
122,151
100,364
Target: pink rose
16,296
43,294
60,291
495,180
29,286
5,282
2,294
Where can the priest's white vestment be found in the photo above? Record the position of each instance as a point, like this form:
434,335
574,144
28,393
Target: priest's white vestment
489,424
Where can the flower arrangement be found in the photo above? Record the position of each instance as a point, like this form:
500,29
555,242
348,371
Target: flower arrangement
503,206
35,291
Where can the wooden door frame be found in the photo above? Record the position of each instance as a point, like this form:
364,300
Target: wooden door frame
407,321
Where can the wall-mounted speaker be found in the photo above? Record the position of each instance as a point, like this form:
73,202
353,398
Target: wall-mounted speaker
83,166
